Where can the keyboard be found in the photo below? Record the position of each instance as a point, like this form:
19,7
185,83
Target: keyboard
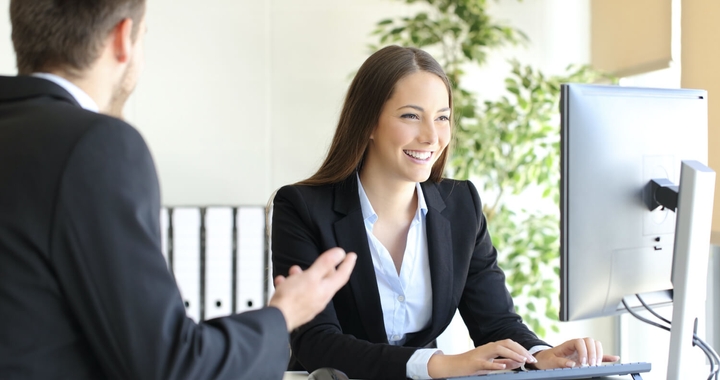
606,369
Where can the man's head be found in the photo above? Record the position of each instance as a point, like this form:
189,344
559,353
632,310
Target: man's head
82,40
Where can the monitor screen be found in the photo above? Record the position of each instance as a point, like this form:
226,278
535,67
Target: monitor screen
614,140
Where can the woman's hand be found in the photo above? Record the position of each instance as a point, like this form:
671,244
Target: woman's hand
575,352
504,354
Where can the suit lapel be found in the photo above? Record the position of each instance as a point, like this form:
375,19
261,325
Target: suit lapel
440,252
350,234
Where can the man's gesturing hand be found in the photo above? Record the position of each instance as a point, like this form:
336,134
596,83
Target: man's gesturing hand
303,294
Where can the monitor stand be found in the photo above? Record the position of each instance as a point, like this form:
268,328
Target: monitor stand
690,266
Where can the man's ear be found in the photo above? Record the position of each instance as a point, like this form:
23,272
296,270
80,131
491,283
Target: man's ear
121,40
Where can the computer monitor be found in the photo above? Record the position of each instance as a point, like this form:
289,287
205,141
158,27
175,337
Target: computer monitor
614,142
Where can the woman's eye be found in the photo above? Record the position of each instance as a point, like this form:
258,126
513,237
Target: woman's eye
410,116
444,118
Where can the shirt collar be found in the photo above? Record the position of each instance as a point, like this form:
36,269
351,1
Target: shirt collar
368,212
80,96
422,206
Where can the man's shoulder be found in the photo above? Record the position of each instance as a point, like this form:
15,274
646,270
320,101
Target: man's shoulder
39,106
24,88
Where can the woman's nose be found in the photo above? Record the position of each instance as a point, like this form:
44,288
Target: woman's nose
428,132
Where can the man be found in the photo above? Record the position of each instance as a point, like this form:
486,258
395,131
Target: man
84,290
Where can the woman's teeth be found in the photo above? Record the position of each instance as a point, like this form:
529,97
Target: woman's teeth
418,155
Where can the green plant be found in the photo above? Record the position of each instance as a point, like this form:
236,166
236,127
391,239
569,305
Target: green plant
509,146
461,28
457,33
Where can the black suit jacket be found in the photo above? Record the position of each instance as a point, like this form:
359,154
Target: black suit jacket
350,333
84,290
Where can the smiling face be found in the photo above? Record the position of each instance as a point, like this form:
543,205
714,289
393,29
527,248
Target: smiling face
412,132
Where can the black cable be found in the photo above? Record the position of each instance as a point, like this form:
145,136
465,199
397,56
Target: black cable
648,308
709,351
643,318
706,348
652,323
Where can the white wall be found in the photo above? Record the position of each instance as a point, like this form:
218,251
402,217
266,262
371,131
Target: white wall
7,54
240,97
559,33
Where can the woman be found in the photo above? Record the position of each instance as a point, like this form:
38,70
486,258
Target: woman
422,242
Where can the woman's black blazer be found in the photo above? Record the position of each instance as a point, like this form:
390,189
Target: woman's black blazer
350,334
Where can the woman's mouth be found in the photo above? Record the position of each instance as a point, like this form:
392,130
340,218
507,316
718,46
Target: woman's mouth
419,155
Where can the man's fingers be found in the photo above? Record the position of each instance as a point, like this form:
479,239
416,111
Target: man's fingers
279,280
295,269
342,274
325,264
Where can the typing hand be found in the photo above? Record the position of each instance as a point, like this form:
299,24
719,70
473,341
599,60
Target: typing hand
483,358
575,352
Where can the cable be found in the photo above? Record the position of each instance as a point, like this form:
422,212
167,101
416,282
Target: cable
643,318
713,371
648,308
707,350
697,341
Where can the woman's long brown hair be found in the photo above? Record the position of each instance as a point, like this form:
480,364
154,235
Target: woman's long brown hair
370,89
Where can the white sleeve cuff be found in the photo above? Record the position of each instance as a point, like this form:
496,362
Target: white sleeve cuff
535,349
417,365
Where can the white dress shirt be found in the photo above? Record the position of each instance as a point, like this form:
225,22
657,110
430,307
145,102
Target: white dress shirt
406,298
80,96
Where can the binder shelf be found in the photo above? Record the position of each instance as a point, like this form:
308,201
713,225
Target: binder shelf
219,258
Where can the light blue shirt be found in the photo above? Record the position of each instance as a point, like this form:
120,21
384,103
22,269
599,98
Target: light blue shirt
406,298
80,96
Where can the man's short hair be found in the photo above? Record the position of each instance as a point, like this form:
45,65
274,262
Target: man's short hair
66,34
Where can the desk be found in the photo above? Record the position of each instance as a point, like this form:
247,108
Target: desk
295,375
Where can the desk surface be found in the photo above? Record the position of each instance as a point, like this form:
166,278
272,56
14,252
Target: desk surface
304,375
295,376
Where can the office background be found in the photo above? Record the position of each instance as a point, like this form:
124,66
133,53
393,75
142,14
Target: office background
240,97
